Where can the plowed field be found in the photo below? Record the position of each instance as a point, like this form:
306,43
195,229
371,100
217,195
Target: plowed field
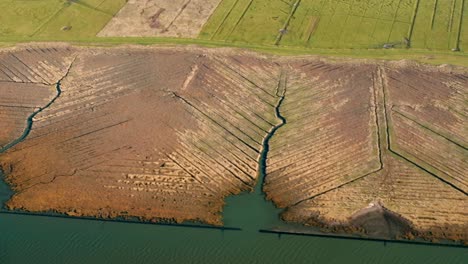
168,133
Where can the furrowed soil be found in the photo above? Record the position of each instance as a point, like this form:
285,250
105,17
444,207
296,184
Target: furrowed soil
27,82
167,134
152,134
386,141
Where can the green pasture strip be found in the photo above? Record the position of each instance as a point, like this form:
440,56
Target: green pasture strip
231,19
82,21
395,34
452,24
225,19
244,11
421,55
109,7
57,18
247,21
439,27
286,23
23,18
217,19
367,13
349,23
434,10
261,22
413,22
349,28
462,35
452,13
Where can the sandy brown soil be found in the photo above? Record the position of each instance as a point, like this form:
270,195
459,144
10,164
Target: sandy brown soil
356,148
176,18
17,102
376,148
152,134
329,138
27,83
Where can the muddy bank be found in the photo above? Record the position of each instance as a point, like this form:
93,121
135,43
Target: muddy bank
166,134
150,134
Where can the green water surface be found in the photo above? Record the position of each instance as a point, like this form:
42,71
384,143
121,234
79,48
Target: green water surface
42,239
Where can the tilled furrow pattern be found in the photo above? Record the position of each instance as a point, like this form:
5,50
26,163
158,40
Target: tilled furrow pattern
167,134
330,136
230,135
433,151
430,205
420,188
428,116
35,65
151,134
27,83
17,102
12,122
433,99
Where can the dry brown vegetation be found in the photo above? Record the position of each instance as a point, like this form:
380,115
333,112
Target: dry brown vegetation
153,134
176,18
168,133
371,137
329,139
27,82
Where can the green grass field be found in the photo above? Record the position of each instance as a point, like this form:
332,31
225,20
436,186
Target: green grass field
425,24
351,28
47,18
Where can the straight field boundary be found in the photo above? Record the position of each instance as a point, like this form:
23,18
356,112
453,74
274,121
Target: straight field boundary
280,233
421,55
413,21
460,24
288,20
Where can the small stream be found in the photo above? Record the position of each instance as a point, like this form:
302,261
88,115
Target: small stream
251,211
5,191
30,120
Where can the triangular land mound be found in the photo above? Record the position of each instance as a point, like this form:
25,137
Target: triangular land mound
380,222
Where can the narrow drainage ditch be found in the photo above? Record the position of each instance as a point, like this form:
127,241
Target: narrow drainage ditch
5,191
252,211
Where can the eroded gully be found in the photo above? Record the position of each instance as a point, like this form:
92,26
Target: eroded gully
5,190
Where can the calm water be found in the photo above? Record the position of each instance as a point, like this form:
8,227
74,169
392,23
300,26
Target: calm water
38,239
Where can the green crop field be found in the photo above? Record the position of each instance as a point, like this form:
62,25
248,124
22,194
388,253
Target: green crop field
426,24
61,19
441,24
354,28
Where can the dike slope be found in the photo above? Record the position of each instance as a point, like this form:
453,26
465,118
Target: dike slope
165,134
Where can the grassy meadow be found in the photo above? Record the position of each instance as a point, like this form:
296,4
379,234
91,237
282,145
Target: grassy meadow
60,19
351,28
424,24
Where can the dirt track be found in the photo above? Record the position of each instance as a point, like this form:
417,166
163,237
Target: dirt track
169,133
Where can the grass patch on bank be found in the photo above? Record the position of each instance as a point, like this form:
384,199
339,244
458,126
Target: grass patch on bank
346,28
420,55
58,19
